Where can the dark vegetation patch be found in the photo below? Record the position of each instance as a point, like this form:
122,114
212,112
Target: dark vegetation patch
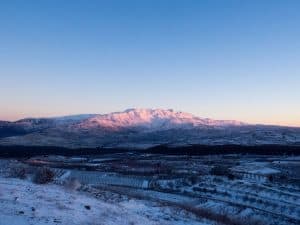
226,149
29,151
11,131
18,151
18,172
43,176
87,207
221,170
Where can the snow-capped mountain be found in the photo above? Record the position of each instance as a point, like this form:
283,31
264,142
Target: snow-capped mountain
140,128
154,119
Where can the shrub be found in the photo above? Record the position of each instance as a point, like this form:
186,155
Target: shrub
230,176
270,178
43,176
18,172
219,171
222,171
87,207
193,179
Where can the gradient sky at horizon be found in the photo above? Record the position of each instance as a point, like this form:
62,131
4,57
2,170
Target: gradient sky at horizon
228,59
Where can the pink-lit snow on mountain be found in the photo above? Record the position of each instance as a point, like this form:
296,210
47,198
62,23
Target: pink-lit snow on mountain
152,118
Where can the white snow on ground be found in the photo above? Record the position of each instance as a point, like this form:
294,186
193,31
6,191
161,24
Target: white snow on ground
25,203
265,171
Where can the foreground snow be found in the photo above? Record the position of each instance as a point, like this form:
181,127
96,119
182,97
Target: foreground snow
25,203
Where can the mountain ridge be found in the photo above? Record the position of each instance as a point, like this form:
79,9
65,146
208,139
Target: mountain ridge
140,128
144,113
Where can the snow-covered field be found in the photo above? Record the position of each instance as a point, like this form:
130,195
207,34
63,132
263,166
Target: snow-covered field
25,203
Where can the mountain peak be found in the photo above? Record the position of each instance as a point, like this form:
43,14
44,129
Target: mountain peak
152,118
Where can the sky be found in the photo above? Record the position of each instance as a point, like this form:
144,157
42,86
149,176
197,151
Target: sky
222,59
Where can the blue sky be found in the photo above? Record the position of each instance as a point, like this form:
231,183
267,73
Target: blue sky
223,59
